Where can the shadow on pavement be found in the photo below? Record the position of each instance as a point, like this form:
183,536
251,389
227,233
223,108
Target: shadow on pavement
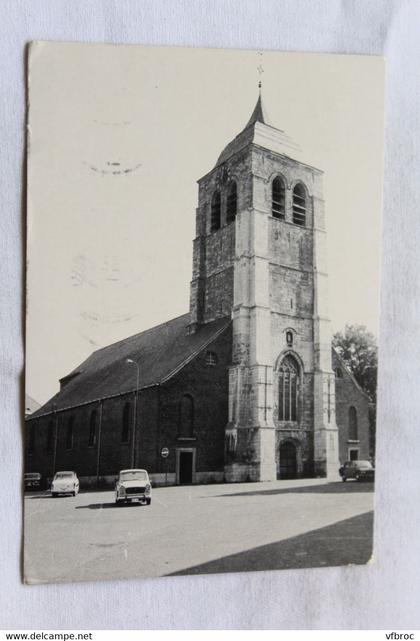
329,488
38,496
105,506
343,543
47,494
50,496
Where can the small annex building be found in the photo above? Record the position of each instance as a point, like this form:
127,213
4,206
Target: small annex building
244,387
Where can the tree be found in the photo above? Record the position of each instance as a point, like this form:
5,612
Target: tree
357,348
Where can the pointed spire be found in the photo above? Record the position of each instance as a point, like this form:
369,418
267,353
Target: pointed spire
258,115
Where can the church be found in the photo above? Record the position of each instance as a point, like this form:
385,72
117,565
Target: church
245,386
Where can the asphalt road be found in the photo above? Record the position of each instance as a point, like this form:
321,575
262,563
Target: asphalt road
198,529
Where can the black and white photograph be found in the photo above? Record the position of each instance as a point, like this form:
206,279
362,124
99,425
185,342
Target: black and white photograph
202,310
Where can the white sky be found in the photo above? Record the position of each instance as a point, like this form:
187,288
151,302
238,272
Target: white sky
110,245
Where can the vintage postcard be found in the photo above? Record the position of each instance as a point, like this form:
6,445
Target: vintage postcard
202,310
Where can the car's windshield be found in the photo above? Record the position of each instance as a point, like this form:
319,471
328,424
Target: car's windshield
366,465
133,475
64,475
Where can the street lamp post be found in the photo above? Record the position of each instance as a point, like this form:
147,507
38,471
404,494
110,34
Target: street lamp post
133,440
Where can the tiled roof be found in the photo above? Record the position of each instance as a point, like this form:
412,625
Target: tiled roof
160,352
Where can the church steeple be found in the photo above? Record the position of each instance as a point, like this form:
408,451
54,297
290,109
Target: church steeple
260,131
260,259
259,114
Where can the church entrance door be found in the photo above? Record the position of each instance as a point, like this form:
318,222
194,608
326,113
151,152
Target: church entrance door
288,460
185,468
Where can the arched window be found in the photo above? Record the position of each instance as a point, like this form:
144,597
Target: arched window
70,434
231,203
125,432
215,211
31,438
299,205
50,437
353,431
186,417
278,192
288,389
92,428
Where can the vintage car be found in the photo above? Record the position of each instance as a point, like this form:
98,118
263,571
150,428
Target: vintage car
65,483
133,485
33,481
358,470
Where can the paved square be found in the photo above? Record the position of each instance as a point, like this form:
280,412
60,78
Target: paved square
198,529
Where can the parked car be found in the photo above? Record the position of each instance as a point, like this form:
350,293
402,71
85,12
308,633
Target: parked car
133,485
358,470
65,483
33,481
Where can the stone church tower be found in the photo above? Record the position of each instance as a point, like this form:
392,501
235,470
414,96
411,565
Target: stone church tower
260,257
242,387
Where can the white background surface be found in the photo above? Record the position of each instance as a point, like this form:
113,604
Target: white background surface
382,595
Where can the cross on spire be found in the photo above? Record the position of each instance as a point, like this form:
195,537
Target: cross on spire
260,70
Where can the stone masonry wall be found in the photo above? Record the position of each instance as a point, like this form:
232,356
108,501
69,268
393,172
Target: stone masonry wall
214,251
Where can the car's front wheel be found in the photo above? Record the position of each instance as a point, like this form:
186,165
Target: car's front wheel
344,479
148,501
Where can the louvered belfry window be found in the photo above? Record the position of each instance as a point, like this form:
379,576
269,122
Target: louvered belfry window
288,389
215,211
299,205
278,198
231,203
